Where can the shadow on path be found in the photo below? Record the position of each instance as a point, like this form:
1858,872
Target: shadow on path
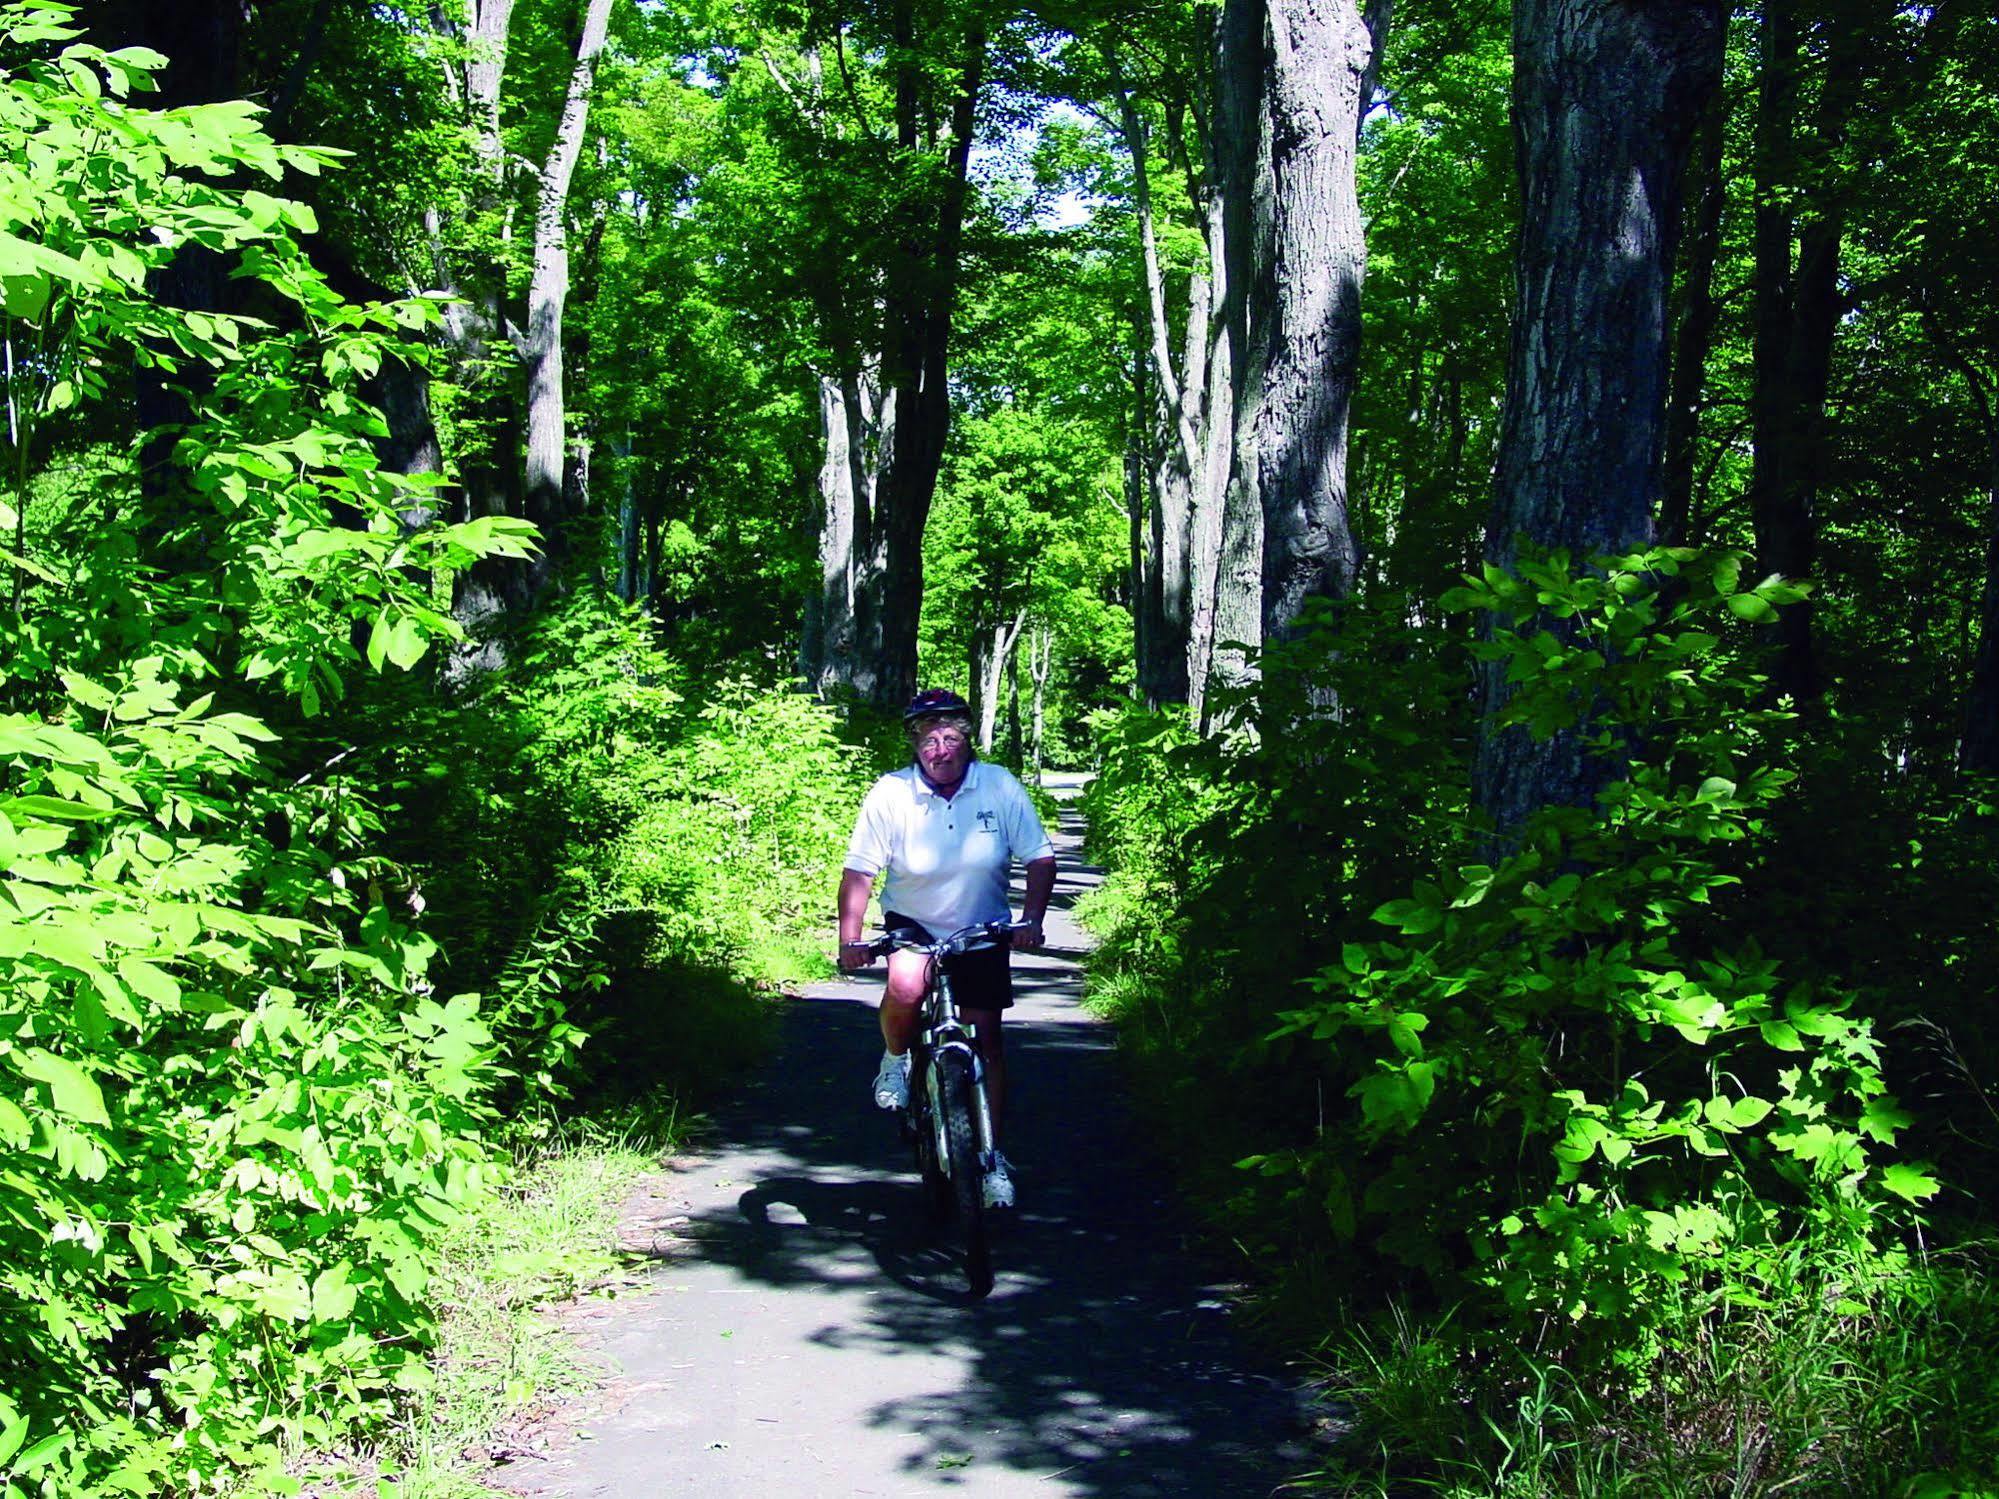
1102,1364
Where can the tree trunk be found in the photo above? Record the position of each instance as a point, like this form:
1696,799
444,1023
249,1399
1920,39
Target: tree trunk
1229,515
1142,575
548,290
1015,748
1606,93
1179,404
1309,342
202,42
992,656
1978,751
1798,306
1699,311
1040,662
473,322
921,299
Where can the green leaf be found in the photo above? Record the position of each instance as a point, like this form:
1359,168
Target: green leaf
1746,1113
406,643
14,1127
1909,1182
52,808
42,1453
332,1296
150,983
12,1434
1748,606
1781,1036
73,1091
1883,1119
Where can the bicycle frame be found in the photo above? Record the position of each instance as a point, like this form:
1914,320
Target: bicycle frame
949,1119
942,1030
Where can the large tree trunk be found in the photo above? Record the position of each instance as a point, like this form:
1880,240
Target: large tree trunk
1229,509
1605,96
474,321
915,415
548,290
1784,531
202,42
1321,53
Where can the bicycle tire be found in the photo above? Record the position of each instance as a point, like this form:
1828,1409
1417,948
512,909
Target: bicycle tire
955,1103
922,1125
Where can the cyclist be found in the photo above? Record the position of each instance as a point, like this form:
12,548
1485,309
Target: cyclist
944,830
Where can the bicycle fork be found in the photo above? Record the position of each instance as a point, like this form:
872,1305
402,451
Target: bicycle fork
962,1039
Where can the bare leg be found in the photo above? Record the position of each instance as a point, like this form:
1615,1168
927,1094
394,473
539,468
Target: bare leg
992,1051
902,1000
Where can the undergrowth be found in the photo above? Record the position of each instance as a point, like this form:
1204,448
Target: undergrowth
1599,1195
499,1358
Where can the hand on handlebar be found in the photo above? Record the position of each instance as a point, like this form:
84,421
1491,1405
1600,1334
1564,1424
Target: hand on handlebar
1028,934
856,955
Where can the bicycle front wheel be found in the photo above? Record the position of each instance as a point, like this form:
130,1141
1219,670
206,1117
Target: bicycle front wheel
957,1108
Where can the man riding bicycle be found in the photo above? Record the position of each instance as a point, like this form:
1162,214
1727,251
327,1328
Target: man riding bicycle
944,831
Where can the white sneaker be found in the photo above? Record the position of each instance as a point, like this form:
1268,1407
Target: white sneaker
999,1183
892,1082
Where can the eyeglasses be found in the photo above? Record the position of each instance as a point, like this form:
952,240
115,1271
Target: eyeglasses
944,739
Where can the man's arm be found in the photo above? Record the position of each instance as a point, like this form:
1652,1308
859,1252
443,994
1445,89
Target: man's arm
1040,884
855,888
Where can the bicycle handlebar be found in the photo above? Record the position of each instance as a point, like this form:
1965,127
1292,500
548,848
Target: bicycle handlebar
966,939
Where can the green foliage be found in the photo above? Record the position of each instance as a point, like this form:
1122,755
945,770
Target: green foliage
236,1118
1560,1075
234,1113
1576,1092
627,851
1842,1383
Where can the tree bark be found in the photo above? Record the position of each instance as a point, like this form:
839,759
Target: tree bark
473,322
1040,662
920,300
1978,750
993,654
1699,310
548,290
202,41
1178,406
1606,93
1321,53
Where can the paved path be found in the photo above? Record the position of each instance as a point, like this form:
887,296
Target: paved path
806,1335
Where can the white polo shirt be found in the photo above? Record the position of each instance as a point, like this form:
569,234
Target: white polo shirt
946,860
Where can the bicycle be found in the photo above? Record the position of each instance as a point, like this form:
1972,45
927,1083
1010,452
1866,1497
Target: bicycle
948,1119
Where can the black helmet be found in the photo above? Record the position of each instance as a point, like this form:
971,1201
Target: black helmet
935,702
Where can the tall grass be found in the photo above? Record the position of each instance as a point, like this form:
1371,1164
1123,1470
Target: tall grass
1847,1383
500,1359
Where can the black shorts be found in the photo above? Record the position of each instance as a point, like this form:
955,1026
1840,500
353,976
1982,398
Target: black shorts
980,980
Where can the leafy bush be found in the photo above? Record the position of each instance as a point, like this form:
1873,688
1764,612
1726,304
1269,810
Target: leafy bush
1577,1096
229,1135
1572,1093
233,1112
621,850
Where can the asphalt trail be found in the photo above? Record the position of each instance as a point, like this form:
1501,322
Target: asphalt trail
806,1333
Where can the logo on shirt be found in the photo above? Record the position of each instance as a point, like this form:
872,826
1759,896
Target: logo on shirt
988,823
